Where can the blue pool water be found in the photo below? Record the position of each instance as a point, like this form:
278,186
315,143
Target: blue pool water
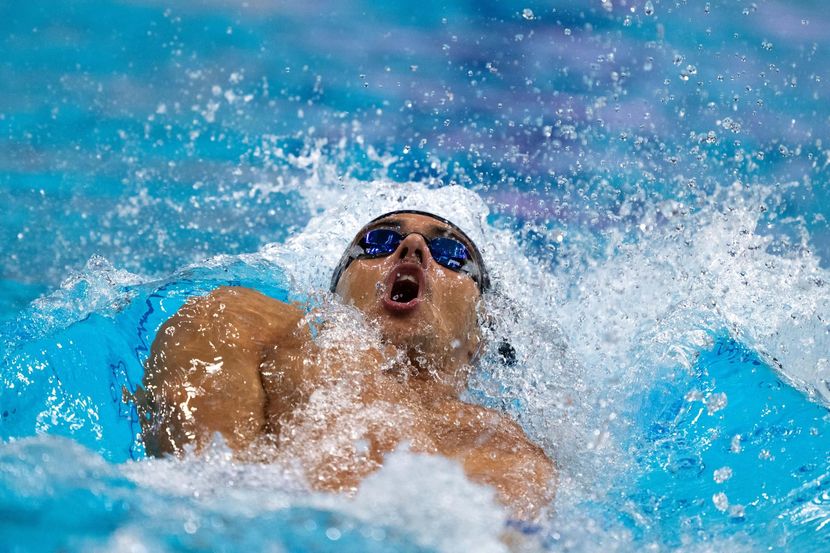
647,181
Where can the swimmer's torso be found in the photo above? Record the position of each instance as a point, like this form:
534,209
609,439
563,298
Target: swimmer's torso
245,365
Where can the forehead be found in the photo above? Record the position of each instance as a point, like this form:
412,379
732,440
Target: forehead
413,222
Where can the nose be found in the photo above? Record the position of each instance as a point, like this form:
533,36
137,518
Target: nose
413,248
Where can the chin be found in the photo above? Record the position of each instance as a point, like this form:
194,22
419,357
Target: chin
408,331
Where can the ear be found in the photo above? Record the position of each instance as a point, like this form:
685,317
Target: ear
506,352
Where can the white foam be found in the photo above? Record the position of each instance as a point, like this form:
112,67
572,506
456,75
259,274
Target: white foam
426,497
431,498
657,302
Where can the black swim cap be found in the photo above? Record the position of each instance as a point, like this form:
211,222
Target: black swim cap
482,279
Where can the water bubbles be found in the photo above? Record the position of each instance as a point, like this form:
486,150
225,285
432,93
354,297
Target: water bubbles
730,124
766,45
527,14
648,8
406,149
567,31
678,59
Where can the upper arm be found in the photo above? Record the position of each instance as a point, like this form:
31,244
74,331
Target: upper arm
202,375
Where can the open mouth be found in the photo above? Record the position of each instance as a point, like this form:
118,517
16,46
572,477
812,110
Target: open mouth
404,287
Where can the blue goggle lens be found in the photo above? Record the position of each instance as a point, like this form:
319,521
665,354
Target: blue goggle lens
447,252
450,253
380,242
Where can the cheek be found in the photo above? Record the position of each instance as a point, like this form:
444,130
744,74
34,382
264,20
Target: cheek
457,303
361,286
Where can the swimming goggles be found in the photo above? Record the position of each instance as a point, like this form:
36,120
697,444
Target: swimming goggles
445,250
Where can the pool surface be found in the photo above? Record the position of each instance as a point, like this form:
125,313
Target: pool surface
647,182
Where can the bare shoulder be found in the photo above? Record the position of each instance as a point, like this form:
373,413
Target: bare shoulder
242,315
203,373
495,450
240,301
476,421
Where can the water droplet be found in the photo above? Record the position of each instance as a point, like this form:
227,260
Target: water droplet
693,395
527,13
715,403
686,468
722,474
406,149
648,9
721,501
737,511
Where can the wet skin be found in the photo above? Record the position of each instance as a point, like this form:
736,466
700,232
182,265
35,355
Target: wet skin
245,365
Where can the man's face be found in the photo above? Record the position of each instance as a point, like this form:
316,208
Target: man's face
422,307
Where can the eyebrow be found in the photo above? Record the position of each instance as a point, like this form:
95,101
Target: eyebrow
434,229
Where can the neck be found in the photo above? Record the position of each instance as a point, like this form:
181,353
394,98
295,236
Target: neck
437,375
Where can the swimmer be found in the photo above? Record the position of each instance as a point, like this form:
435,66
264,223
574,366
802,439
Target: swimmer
251,368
